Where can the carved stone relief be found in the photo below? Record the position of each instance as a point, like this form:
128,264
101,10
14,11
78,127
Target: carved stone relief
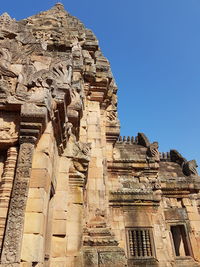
80,154
9,128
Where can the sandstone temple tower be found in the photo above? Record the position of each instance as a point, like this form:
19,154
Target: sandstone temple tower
73,193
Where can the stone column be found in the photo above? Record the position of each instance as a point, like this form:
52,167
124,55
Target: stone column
14,228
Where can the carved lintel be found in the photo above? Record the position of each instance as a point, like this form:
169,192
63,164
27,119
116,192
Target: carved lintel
14,229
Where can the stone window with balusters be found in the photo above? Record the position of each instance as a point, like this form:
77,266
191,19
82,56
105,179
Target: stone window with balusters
140,243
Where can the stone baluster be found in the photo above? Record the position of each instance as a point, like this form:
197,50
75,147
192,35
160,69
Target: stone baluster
135,243
131,243
148,242
140,243
144,243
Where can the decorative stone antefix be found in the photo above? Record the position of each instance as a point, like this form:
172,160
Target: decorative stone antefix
153,152
152,149
142,140
189,168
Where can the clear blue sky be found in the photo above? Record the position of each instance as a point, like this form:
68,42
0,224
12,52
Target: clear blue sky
154,50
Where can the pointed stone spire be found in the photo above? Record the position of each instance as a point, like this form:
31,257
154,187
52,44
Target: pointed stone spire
5,17
59,6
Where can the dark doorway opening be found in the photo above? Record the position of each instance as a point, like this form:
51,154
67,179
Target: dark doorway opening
180,240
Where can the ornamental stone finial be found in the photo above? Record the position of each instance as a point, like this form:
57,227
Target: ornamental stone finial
59,6
5,15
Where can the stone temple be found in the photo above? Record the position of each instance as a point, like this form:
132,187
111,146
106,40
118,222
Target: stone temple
72,191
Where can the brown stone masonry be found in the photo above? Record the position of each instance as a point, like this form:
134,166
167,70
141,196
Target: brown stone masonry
73,192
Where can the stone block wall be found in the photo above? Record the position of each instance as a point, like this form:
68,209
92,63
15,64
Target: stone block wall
72,191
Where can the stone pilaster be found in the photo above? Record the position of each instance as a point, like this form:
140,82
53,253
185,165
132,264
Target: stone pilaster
14,228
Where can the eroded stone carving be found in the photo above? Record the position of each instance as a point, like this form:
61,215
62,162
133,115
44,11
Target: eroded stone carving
9,128
177,157
190,168
81,156
142,140
81,151
153,151
75,107
5,64
152,148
